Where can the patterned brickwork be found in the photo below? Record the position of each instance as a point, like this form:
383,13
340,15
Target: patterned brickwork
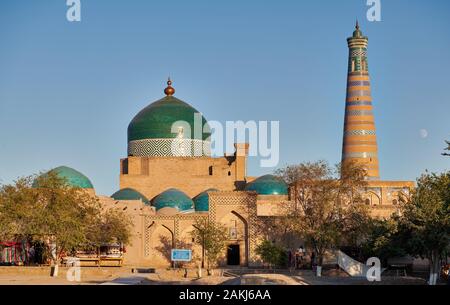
242,201
151,221
360,140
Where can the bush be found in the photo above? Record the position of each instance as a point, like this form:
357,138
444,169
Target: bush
272,254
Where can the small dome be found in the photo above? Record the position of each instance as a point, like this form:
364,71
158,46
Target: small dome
72,177
129,194
357,33
201,201
174,198
268,185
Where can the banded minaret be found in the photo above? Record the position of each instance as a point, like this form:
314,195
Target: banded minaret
360,140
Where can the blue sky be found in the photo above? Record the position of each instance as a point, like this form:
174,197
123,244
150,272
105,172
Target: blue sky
69,90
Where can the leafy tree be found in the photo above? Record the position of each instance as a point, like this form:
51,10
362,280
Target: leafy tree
61,218
212,237
425,223
328,207
113,227
384,240
271,253
355,222
17,204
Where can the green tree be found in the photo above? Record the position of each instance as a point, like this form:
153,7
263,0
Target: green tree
425,223
113,226
60,217
271,253
17,213
384,240
212,237
328,208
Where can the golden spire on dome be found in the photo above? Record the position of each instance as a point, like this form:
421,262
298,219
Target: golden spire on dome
169,91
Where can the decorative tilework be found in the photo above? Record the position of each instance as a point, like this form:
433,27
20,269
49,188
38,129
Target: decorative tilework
359,112
151,220
358,83
359,103
359,73
169,148
358,93
358,53
361,155
360,132
246,200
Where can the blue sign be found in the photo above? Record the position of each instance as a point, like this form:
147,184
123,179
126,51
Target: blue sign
180,255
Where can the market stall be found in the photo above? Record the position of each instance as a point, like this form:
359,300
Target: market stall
14,253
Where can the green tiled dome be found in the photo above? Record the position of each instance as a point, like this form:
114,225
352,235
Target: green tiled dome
129,194
155,121
173,198
268,185
201,201
73,178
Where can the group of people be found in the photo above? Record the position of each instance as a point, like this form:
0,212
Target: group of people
299,259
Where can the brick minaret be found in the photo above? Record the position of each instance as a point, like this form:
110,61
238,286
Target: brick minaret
360,140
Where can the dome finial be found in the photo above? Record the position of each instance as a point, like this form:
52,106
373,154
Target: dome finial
169,91
357,24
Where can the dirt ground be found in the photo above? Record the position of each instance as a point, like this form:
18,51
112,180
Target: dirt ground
125,276
41,276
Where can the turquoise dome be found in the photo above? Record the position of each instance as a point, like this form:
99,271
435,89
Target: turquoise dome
268,185
173,198
201,201
72,177
156,120
129,194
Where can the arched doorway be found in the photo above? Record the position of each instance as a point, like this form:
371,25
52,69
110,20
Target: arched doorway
161,244
237,244
233,255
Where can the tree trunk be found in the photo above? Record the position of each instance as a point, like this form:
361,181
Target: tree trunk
203,251
208,269
319,265
434,268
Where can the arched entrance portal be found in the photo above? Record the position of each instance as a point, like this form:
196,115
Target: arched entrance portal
161,244
237,244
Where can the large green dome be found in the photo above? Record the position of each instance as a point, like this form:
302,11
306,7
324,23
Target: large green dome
268,185
73,177
176,199
155,121
150,131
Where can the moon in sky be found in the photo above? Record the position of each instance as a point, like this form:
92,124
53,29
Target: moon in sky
423,133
